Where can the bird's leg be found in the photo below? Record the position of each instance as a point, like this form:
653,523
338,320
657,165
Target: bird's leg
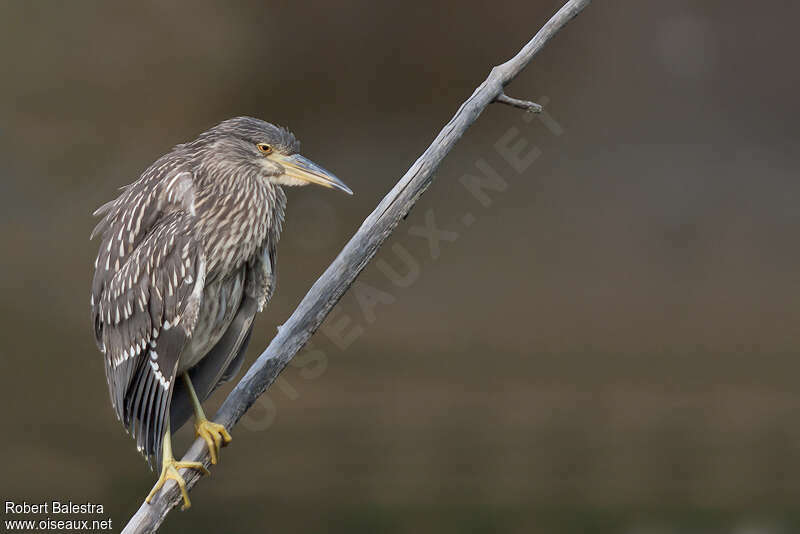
214,434
169,470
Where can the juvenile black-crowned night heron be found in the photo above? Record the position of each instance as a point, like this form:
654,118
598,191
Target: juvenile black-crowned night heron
187,257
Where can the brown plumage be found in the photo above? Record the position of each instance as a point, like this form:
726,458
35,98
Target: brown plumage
186,258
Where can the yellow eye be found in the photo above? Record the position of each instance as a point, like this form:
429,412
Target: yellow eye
264,148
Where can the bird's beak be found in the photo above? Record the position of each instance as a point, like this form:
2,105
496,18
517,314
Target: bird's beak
302,168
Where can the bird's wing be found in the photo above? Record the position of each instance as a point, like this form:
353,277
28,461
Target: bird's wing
145,298
258,289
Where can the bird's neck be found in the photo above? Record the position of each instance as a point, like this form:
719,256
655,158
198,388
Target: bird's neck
235,217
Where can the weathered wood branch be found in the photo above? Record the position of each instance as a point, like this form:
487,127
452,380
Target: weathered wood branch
329,288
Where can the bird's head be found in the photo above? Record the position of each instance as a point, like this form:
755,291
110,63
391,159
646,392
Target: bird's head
269,151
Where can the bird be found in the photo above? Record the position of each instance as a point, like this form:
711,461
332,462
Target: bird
187,257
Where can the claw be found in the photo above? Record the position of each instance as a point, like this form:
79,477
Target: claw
170,471
215,436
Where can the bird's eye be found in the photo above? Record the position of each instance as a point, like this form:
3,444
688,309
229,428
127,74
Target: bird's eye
264,148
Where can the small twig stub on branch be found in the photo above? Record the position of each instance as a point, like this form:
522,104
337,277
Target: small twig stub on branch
527,105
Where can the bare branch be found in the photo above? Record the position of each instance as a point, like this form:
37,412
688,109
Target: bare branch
527,105
329,288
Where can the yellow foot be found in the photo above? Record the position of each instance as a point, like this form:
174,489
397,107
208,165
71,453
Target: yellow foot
170,471
215,435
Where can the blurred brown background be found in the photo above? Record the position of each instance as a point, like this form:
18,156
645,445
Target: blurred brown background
609,347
